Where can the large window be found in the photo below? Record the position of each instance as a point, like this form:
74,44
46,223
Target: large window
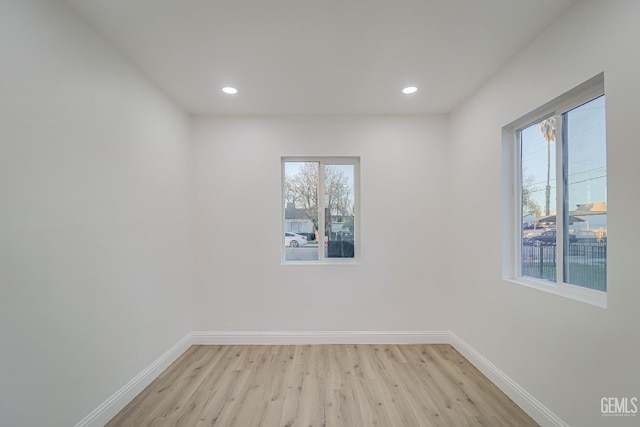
320,209
560,200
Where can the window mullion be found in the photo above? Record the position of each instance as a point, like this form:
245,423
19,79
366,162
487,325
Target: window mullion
560,204
321,218
284,210
517,191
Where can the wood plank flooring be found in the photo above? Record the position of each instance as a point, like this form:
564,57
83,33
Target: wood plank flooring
322,385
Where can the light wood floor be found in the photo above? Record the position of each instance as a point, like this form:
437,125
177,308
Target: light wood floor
322,385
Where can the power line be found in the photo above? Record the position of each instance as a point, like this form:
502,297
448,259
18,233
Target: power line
571,183
588,179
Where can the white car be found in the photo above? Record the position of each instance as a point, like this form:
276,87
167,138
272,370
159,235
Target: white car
294,240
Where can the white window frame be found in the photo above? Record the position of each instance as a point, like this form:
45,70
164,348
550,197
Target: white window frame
322,161
512,192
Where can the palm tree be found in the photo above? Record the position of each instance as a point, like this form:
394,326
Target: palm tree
548,129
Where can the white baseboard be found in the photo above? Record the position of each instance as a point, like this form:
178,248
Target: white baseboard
107,410
532,406
114,404
319,337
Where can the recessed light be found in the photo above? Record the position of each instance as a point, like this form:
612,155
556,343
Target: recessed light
409,90
230,90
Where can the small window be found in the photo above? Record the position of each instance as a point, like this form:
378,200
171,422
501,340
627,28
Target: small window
320,209
559,206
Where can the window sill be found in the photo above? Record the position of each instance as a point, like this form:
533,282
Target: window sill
565,290
321,263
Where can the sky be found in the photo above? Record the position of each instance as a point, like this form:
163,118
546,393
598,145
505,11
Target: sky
586,157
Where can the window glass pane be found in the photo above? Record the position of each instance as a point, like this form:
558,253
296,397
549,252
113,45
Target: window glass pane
585,194
301,211
339,211
538,208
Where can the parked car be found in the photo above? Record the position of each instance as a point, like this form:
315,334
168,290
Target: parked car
347,235
310,236
529,238
294,240
547,237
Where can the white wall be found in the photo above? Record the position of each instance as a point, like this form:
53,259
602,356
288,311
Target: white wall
399,283
567,354
94,218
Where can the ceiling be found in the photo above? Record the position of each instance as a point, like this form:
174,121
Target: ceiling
319,56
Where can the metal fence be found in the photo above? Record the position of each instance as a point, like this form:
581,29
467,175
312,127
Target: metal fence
585,264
